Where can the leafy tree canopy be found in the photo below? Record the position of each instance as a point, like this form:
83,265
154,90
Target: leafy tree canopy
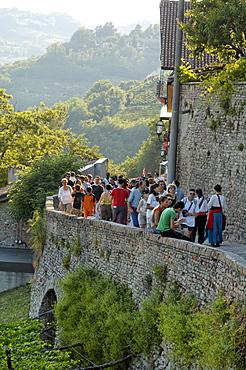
107,30
148,155
41,179
29,135
217,27
121,113
101,315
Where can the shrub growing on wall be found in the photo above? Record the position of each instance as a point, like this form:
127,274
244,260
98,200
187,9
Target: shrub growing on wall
99,314
213,337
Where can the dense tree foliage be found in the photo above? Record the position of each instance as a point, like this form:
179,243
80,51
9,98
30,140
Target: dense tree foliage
148,155
26,136
41,179
115,118
69,69
29,135
100,314
217,27
212,337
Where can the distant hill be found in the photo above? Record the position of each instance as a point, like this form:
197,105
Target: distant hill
115,118
69,69
24,34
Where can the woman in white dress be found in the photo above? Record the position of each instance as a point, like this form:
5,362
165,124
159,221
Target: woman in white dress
65,197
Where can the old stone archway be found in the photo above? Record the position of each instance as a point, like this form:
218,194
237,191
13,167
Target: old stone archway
46,316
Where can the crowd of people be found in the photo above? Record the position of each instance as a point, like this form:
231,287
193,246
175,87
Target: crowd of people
147,202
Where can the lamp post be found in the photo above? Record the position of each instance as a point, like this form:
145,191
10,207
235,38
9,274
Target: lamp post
172,153
163,135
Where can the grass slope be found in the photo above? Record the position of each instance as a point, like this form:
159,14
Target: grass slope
14,304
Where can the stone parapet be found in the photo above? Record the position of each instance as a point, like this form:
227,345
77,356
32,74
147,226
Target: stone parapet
128,255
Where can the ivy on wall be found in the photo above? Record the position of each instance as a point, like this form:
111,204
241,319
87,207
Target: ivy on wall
218,84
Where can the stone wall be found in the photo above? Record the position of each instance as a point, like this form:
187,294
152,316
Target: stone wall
206,158
12,234
128,255
8,227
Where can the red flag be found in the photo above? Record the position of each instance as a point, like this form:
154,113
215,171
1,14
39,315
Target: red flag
143,173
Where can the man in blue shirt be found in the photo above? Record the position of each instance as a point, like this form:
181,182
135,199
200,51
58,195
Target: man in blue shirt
179,192
133,201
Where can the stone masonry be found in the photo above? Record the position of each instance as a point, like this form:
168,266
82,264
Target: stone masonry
206,157
128,255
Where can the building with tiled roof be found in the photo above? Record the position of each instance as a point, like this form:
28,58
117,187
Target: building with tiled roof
168,28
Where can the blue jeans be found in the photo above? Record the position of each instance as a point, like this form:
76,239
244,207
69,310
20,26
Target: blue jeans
154,231
215,235
134,217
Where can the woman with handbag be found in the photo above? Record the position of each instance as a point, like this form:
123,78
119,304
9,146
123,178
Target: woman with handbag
216,206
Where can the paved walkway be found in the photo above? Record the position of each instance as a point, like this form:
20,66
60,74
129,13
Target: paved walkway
232,247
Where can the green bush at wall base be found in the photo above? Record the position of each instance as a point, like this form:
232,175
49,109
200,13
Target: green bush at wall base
211,337
101,315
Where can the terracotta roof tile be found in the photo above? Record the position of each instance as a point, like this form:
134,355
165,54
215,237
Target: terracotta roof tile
168,28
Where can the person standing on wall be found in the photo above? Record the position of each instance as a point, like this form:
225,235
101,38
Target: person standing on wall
65,196
179,192
152,202
88,202
217,205
189,213
97,190
142,210
171,190
201,219
119,198
134,200
105,204
107,178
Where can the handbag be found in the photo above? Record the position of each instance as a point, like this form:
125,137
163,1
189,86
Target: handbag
223,216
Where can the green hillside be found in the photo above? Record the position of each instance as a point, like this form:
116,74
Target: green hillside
115,118
69,69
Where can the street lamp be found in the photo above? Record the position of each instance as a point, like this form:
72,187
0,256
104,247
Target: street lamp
162,152
159,128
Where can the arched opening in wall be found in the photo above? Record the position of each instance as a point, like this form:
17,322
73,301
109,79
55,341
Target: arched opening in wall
46,316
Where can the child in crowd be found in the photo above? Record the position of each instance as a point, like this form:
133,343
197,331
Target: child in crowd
141,209
78,196
89,202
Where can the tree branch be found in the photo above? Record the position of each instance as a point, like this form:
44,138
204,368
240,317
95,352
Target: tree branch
104,366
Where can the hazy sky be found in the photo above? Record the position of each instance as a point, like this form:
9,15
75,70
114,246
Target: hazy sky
94,12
